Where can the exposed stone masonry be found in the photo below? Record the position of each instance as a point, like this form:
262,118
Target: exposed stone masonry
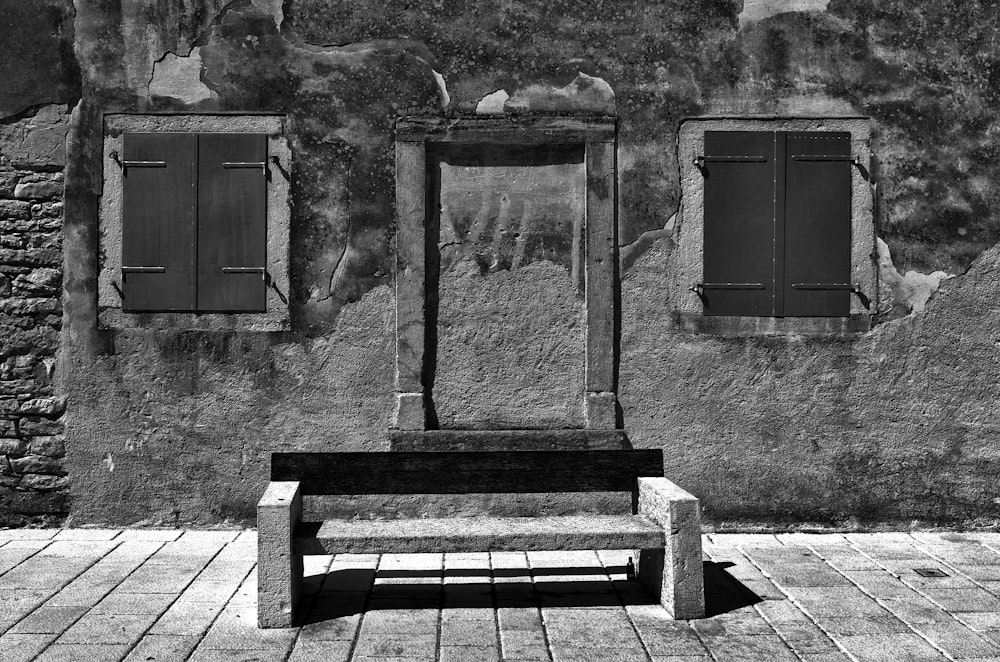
33,483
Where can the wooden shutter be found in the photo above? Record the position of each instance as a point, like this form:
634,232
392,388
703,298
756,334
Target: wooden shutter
158,219
739,256
817,245
232,232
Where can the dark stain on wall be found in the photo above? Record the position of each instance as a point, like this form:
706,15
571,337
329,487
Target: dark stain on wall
36,55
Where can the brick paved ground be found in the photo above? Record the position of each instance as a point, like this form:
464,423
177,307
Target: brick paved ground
151,595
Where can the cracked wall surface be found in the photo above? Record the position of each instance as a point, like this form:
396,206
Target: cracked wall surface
888,426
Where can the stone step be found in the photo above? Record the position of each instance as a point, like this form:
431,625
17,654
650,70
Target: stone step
479,534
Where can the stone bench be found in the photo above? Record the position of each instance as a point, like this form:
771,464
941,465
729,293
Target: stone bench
664,525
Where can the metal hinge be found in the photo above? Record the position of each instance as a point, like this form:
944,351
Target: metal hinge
854,289
143,270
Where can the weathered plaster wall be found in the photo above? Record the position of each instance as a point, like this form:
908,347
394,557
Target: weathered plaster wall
510,342
889,426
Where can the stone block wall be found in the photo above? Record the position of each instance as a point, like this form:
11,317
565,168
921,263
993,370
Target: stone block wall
33,482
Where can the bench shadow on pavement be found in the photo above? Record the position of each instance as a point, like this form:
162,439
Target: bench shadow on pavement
344,593
723,592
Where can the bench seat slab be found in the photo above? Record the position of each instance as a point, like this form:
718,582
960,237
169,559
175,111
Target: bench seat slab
479,534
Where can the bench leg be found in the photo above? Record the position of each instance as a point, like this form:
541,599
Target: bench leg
279,567
675,574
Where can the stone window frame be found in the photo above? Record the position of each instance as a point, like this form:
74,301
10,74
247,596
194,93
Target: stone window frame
598,136
278,218
687,309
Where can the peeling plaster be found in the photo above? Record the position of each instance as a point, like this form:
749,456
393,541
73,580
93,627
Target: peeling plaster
179,77
492,103
758,10
442,89
912,290
628,254
272,7
584,94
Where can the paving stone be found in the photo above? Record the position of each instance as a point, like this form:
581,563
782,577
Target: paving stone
82,592
781,611
884,623
469,633
745,648
15,604
811,574
48,620
740,539
150,535
87,534
236,627
845,558
448,615
202,654
108,629
919,610
44,572
835,601
745,621
523,645
90,652
334,628
396,644
890,648
979,573
881,584
208,591
400,621
195,539
13,554
23,647
965,554
669,637
827,656
118,602
980,621
519,618
321,651
963,599
27,534
681,658
469,654
809,539
957,640
764,589
890,552
804,637
79,549
162,648
578,654
881,539
187,618
911,578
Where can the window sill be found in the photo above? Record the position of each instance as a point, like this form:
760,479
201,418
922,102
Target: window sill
725,326
115,318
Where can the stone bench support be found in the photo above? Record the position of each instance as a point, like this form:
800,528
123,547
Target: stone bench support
674,573
279,565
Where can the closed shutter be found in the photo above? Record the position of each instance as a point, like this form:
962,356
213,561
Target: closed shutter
232,233
739,252
159,198
817,245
